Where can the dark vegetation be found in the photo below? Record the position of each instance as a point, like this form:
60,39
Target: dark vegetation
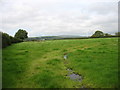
8,40
100,34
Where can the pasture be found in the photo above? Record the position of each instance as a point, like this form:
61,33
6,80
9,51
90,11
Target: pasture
42,64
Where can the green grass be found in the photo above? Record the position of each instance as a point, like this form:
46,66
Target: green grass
41,64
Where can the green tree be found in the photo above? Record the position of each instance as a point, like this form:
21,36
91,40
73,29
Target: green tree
98,34
21,34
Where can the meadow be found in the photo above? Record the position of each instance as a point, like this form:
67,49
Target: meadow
42,64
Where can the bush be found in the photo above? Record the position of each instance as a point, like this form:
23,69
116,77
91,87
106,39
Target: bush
8,40
15,40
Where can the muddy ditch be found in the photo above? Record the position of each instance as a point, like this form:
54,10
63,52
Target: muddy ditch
71,74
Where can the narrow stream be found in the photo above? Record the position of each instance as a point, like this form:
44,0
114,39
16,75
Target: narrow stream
71,74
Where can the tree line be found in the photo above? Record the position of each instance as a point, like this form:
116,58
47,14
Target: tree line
100,34
19,36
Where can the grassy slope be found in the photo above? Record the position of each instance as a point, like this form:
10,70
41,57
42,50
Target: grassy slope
41,64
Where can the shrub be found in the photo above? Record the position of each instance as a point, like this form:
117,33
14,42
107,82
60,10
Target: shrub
8,40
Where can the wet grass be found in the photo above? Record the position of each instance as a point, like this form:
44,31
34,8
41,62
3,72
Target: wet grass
41,64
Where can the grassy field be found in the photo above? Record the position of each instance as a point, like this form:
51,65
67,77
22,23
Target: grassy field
41,64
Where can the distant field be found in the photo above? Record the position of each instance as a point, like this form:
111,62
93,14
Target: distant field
41,64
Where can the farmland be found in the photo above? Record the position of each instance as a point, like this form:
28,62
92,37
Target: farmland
42,64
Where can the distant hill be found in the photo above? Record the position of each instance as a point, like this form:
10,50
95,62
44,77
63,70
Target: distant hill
54,37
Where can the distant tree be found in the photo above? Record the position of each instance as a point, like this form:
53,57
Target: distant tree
21,34
98,34
117,34
107,35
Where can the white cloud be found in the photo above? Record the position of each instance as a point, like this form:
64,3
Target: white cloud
58,17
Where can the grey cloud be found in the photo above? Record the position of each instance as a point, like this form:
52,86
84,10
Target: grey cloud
104,8
47,17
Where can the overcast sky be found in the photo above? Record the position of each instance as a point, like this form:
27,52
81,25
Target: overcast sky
59,17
